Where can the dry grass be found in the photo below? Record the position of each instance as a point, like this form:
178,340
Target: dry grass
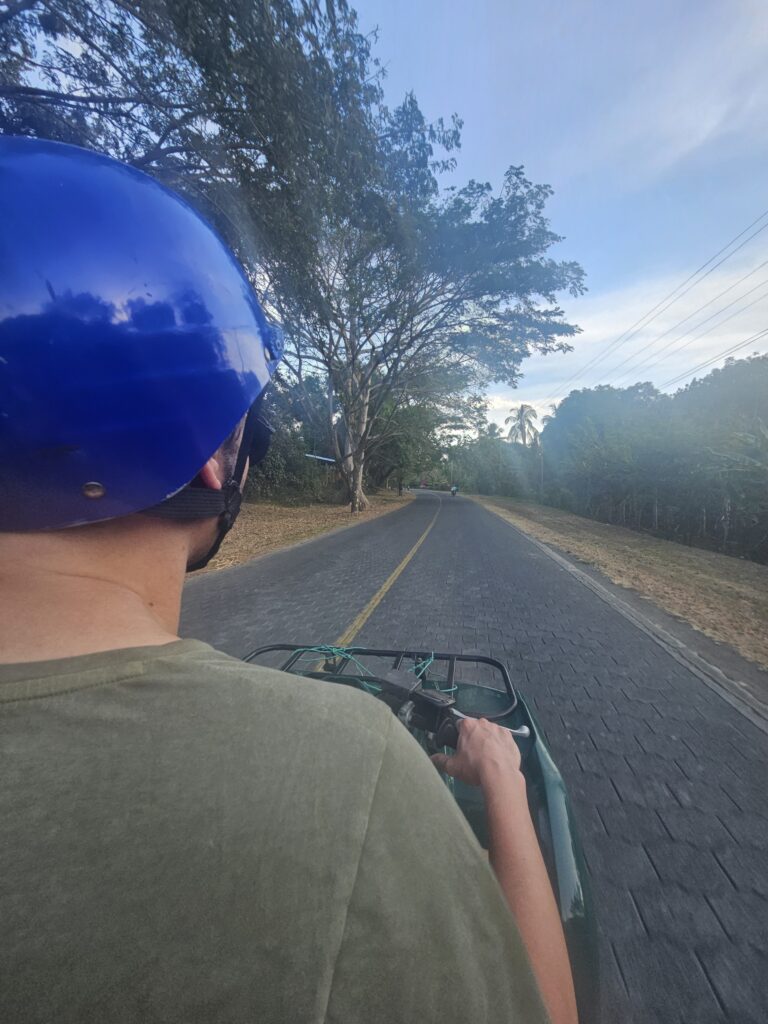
725,598
263,527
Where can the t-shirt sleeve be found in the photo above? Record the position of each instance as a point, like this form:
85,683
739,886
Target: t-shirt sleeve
428,936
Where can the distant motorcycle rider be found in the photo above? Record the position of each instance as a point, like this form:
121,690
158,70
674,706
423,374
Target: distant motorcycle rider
186,837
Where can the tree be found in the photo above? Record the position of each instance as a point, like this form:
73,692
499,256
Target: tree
286,472
411,445
420,284
255,110
691,466
492,430
270,116
521,424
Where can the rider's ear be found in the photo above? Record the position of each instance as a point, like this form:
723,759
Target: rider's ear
213,472
218,469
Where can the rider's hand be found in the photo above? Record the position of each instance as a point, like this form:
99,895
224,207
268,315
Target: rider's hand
485,753
488,756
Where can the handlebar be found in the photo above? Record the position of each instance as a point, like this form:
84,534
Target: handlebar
432,711
447,734
418,706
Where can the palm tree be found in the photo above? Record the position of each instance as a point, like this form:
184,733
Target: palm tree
491,430
550,418
522,428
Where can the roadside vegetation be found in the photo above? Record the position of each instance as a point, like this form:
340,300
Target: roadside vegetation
690,467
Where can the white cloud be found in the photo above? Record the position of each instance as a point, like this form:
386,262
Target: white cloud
704,87
501,403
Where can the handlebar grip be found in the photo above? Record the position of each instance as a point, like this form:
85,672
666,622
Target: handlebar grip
448,733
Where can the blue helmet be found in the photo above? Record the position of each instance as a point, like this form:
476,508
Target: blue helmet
131,342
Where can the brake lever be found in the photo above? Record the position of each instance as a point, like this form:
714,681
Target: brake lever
448,733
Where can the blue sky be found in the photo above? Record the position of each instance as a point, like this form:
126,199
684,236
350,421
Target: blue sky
650,121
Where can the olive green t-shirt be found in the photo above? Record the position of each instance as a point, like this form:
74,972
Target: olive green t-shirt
186,838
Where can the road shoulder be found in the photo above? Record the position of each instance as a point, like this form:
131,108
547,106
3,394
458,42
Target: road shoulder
738,680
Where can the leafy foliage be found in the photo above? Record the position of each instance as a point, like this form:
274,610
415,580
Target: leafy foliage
521,424
489,464
691,467
423,285
289,473
269,114
256,110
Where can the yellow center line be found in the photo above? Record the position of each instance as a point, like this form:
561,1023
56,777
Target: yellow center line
352,631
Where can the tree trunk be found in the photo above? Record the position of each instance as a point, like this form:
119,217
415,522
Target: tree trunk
352,472
358,501
541,475
726,523
352,452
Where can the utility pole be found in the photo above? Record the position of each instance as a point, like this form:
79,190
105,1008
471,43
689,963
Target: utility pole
541,474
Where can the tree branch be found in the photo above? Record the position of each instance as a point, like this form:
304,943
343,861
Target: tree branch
13,9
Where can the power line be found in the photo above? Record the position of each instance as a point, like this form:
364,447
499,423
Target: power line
650,365
670,299
715,359
690,316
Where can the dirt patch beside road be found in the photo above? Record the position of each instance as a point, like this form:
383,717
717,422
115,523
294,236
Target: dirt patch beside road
262,526
725,598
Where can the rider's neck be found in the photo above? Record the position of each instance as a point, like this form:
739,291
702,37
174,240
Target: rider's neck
95,588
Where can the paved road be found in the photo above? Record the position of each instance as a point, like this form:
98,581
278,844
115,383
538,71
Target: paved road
668,781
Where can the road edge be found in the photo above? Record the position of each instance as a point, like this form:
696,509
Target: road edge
294,544
732,691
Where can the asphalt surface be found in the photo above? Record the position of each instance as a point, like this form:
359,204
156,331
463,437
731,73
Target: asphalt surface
668,781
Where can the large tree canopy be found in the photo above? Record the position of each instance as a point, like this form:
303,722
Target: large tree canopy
270,115
255,109
422,282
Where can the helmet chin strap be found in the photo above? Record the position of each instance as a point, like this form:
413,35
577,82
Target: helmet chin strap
232,498
192,503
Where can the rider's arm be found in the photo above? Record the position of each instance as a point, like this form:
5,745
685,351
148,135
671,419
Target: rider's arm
488,756
427,934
